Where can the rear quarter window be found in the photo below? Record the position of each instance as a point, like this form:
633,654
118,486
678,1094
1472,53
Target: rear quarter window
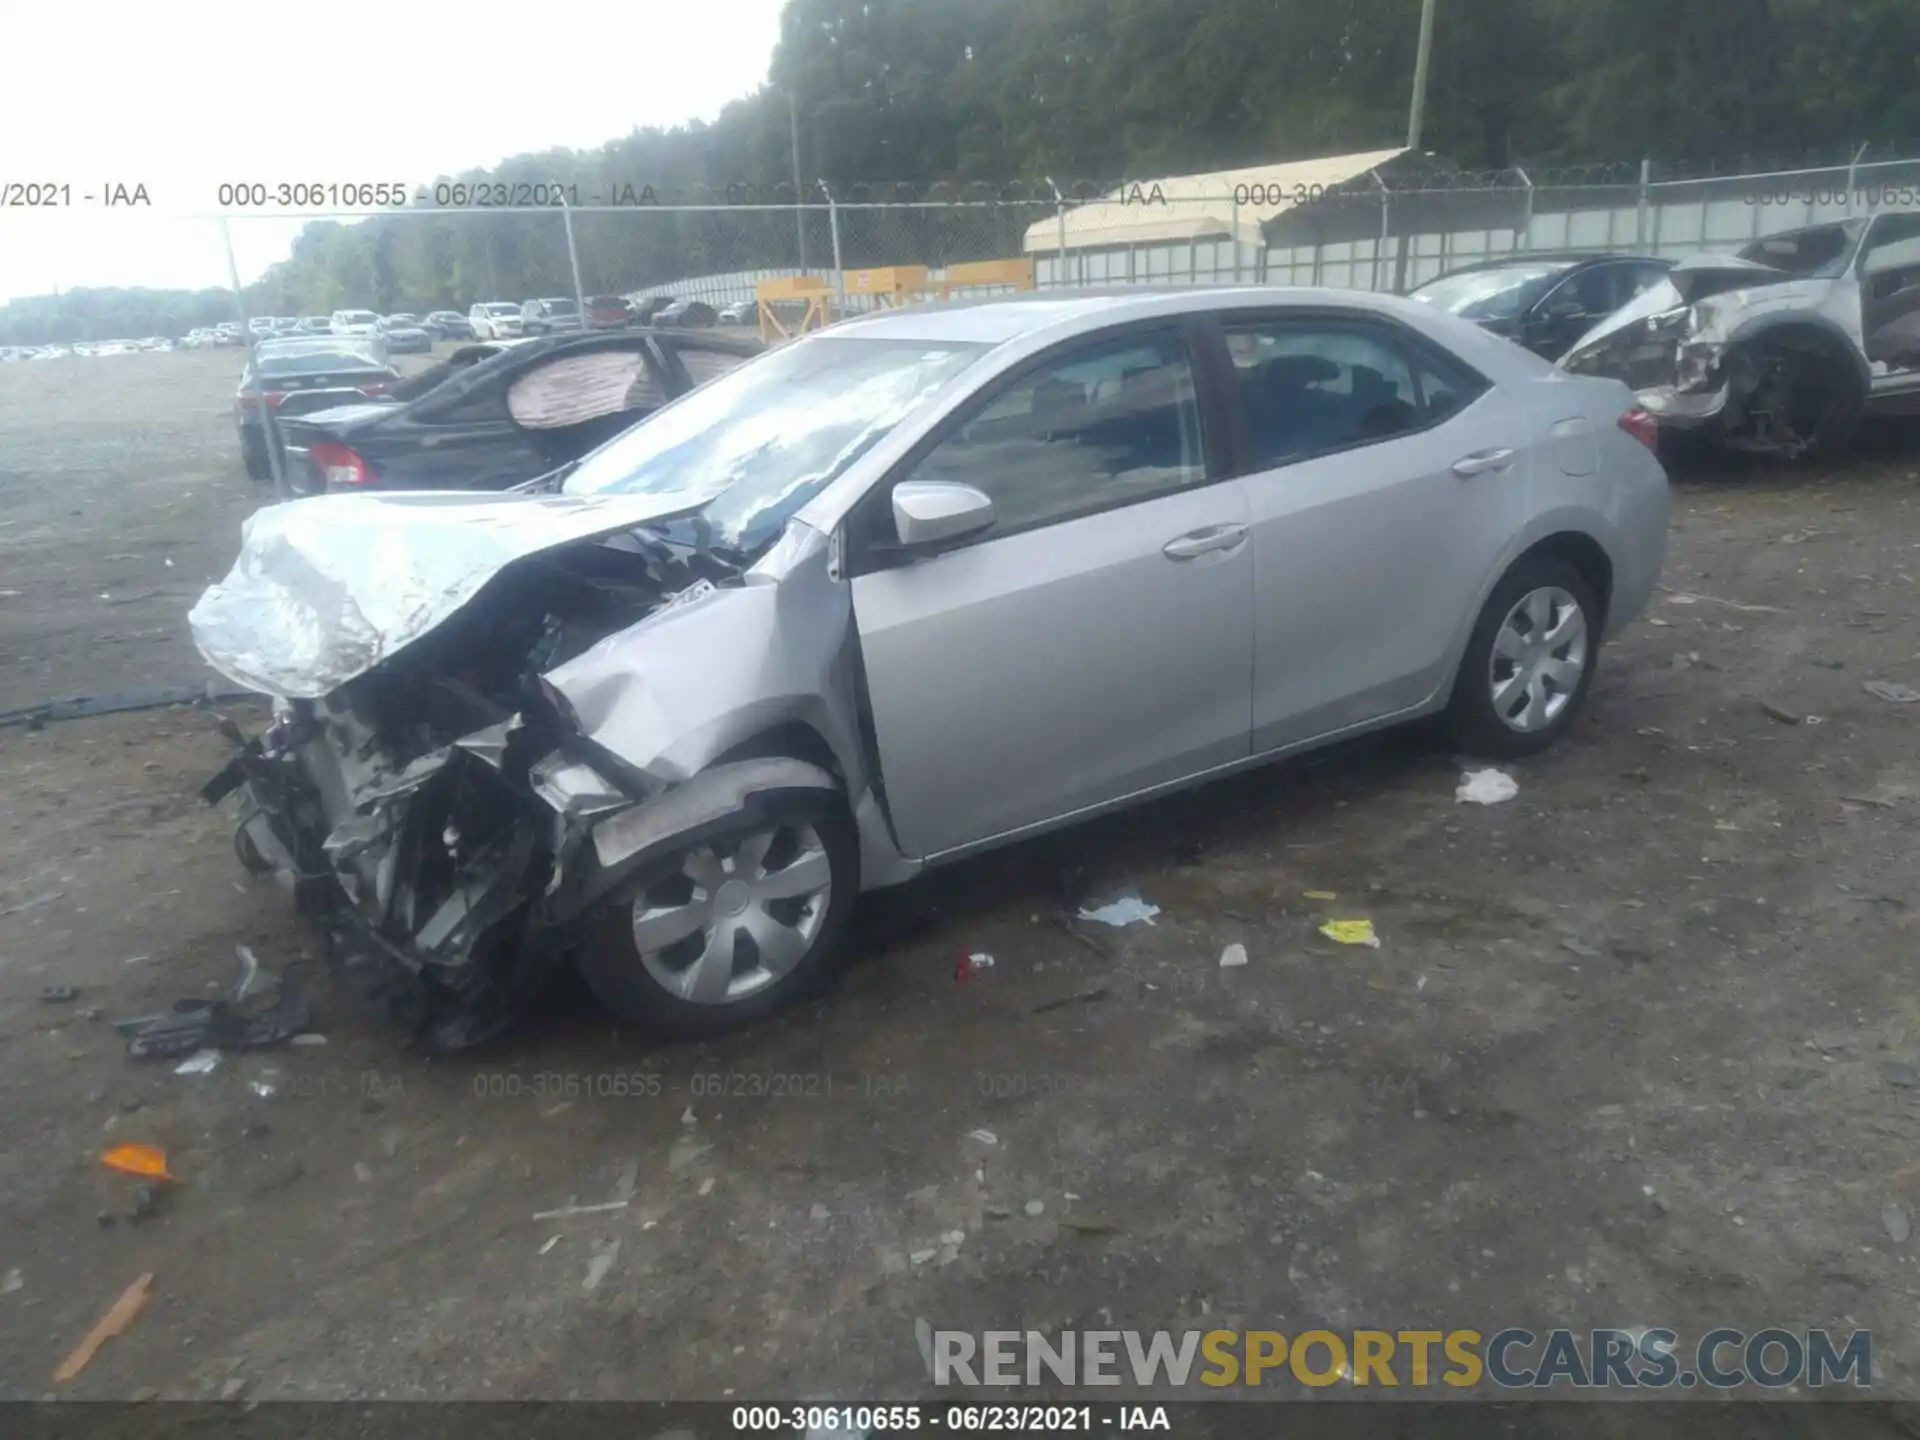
574,389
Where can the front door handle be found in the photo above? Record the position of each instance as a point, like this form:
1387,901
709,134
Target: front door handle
1483,462
1204,542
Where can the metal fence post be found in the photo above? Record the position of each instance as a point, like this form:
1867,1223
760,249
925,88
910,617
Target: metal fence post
1235,227
833,227
1853,170
1523,235
1060,258
1640,213
274,458
1386,220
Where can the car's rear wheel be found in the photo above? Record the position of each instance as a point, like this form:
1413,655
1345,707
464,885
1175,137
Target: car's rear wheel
734,928
1529,661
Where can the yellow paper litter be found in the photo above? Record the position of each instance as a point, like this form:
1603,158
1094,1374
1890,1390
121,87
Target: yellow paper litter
1351,932
1321,895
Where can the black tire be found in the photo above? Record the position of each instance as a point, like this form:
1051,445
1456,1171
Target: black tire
1815,382
253,452
1471,719
610,962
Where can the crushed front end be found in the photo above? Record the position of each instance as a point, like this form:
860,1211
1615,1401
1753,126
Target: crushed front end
432,811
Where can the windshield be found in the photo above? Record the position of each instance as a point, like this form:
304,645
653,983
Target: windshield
1821,253
1496,294
502,308
318,362
357,317
559,307
767,437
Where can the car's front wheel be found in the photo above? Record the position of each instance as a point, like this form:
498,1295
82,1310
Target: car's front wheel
1529,661
731,929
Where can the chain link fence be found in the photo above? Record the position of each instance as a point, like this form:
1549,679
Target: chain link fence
877,245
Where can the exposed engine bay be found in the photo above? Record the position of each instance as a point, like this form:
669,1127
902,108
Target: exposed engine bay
432,812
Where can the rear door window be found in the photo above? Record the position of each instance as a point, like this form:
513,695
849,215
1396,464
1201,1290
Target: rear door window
1310,386
573,389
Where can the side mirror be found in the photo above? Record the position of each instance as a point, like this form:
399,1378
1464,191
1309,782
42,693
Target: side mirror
926,512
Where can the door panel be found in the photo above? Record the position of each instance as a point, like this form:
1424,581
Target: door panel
1096,641
1890,292
1366,559
1052,670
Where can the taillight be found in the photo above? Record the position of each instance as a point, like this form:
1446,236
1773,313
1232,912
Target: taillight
1642,427
251,399
338,465
374,388
274,397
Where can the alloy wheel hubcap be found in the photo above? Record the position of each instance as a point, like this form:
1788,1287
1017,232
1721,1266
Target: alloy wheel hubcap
735,916
1539,655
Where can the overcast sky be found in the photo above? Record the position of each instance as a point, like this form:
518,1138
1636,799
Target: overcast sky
181,99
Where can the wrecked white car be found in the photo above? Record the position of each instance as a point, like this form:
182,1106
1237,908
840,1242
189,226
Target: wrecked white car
904,590
1780,349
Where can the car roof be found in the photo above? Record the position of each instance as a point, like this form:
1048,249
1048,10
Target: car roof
1549,260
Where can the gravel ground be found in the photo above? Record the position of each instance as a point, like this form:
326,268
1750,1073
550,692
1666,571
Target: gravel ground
1638,1047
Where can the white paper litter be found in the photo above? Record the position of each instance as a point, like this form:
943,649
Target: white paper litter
1234,955
1485,787
1127,910
985,1137
201,1062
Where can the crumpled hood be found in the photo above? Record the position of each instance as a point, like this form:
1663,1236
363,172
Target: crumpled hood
326,588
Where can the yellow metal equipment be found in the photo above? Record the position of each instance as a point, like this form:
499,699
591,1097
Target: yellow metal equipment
807,290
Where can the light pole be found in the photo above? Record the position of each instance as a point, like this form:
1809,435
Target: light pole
799,214
573,255
1417,112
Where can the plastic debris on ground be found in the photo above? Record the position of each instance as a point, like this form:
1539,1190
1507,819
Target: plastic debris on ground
202,1026
13,1280
1891,692
1127,910
1233,956
598,1267
1321,895
1894,1216
565,1210
119,1316
149,1161
1351,932
1485,787
967,965
201,1062
59,994
985,1137
1036,1207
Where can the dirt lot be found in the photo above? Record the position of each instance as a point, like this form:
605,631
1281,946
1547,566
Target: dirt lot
1639,1047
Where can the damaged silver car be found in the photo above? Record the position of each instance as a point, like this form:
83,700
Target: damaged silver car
1780,349
904,590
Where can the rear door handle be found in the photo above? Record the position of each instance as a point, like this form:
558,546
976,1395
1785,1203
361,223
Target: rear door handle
1204,542
1482,462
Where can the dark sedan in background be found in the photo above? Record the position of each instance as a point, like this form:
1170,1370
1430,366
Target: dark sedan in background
507,417
285,378
448,325
404,335
1544,302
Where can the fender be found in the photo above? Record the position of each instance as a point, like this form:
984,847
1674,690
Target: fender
1759,326
626,841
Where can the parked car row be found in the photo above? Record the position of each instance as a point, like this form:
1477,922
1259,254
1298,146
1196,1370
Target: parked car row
1781,348
803,632
84,347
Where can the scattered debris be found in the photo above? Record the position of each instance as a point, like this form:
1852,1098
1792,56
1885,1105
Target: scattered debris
59,994
13,1280
1351,932
231,1390
967,965
1579,947
1898,1072
1082,997
627,1182
308,1039
598,1267
1485,787
1781,713
1894,1216
920,1257
137,1159
685,1151
819,1214
552,1240
1873,800
1127,910
263,1088
1321,894
1090,1227
34,904
923,1337
118,1317
566,1210
201,1062
985,1137
1233,956
1681,597
363,1172
206,1026
706,1186
1036,1207
1893,693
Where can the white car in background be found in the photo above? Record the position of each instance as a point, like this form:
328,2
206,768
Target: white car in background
496,320
355,322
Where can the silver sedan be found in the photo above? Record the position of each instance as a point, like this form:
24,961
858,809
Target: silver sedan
910,588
